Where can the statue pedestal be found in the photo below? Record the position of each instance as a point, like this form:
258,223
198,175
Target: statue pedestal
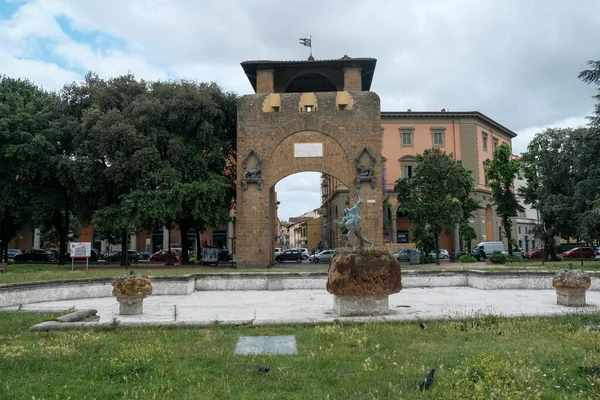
361,281
131,305
571,297
361,305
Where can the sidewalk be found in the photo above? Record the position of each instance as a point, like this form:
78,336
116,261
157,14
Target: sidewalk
315,306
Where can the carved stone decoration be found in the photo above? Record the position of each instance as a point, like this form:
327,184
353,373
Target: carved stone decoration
365,168
252,167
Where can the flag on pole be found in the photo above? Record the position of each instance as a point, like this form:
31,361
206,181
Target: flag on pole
306,42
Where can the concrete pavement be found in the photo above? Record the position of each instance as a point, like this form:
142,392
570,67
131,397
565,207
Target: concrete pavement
262,307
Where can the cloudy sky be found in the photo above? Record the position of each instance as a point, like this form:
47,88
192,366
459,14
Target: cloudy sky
515,61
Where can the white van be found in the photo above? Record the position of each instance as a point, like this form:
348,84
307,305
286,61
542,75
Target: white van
488,248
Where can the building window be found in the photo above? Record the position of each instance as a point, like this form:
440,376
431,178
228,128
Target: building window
437,137
485,137
402,237
495,144
408,164
407,139
406,136
519,232
485,177
499,233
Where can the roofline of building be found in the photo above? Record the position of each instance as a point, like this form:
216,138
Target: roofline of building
367,65
447,114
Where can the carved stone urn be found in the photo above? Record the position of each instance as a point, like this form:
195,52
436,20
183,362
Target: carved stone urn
362,279
570,287
130,291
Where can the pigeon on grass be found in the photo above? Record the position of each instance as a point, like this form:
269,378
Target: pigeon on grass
422,325
593,370
263,369
428,381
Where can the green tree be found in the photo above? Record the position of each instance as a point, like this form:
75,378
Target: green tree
588,145
115,151
192,184
431,198
501,173
548,169
27,114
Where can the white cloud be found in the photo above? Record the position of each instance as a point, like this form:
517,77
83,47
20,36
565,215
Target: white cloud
521,142
298,193
515,61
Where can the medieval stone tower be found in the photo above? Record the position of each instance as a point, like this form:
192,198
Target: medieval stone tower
305,116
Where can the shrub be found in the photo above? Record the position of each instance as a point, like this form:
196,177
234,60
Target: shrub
10,261
467,258
514,258
498,258
194,260
427,259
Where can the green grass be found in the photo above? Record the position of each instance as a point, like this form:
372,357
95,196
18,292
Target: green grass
485,357
45,272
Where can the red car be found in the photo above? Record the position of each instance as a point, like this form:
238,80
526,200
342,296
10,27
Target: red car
161,256
579,252
534,254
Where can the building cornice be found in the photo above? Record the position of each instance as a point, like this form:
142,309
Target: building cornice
446,115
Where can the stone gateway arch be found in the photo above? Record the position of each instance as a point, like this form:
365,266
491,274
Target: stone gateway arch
305,116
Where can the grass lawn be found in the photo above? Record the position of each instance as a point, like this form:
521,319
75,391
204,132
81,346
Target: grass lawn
482,358
45,272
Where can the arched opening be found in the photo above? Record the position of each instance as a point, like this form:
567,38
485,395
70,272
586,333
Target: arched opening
489,228
310,82
307,205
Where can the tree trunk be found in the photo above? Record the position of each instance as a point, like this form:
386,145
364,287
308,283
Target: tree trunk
183,229
124,249
437,248
507,231
198,244
63,234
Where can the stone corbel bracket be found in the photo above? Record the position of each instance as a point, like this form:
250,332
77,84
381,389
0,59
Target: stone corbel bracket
252,170
365,167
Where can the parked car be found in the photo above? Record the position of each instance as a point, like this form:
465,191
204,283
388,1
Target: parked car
290,255
516,252
304,252
145,254
322,256
534,254
597,253
277,251
12,253
35,255
579,252
225,255
485,249
161,256
114,256
404,254
443,254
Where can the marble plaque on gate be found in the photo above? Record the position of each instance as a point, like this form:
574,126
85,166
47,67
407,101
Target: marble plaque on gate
308,150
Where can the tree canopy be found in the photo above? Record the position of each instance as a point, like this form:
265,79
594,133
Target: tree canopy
123,153
434,196
501,173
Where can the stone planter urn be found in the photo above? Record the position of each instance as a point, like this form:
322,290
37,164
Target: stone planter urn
130,291
570,287
362,279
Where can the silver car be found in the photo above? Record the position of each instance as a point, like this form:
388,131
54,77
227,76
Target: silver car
404,254
324,256
443,254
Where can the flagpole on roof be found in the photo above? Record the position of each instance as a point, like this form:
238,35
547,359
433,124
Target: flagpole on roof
307,42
